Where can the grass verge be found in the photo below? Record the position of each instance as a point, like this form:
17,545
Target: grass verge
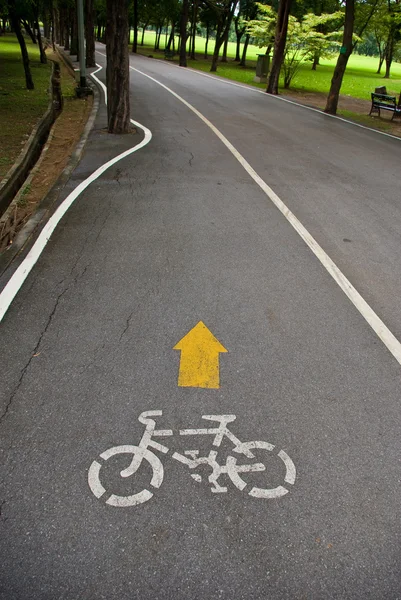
359,80
20,109
63,139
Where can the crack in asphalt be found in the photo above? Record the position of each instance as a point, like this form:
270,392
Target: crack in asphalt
127,324
191,159
117,176
103,225
35,351
81,274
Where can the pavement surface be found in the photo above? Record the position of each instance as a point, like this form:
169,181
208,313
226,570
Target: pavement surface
175,234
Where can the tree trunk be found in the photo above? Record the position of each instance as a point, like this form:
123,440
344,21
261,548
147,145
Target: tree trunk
389,60
90,33
52,28
389,52
279,45
225,48
62,12
15,24
207,40
99,32
183,33
74,31
56,25
239,35
171,38
267,53
223,28
29,31
43,57
194,20
332,99
217,45
143,33
244,51
315,62
117,70
135,40
379,68
67,31
46,26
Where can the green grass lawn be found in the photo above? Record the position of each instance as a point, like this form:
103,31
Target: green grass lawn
360,78
20,109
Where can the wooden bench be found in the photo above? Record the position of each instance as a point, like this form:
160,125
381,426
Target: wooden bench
169,54
384,102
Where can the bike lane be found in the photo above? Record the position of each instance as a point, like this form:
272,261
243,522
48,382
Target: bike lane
184,236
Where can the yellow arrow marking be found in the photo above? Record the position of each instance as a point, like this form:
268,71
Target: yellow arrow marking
199,363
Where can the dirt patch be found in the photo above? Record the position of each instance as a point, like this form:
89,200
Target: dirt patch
353,109
64,136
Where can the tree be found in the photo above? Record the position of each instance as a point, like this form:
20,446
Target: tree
322,35
35,8
304,41
247,10
208,22
15,16
263,27
349,41
393,22
224,12
184,33
345,53
279,45
379,29
74,29
117,70
195,7
90,33
135,23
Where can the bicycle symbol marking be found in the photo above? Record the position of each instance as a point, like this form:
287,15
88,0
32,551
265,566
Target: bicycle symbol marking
191,459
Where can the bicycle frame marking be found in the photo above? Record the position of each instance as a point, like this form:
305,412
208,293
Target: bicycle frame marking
191,459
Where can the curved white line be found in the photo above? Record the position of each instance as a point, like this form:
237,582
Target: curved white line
381,330
14,284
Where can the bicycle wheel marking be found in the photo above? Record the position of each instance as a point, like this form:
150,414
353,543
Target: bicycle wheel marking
132,500
94,481
274,493
290,467
230,471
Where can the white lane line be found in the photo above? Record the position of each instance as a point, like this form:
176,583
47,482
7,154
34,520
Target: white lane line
14,284
381,330
250,88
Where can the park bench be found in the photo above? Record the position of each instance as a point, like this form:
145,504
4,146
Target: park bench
169,54
384,102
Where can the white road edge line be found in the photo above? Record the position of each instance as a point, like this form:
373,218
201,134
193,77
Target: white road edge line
381,330
14,284
250,88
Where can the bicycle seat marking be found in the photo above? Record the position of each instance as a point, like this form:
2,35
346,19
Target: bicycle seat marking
144,451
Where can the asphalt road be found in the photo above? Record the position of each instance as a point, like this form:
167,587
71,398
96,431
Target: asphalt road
175,234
